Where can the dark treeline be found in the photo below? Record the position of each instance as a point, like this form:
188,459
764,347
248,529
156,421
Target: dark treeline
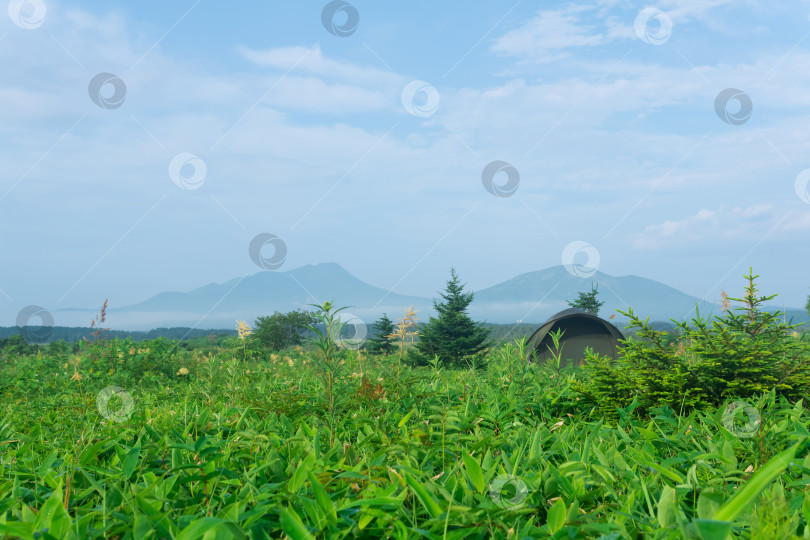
68,334
39,334
499,333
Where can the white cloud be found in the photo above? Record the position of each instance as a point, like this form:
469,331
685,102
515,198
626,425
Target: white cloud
543,37
720,225
799,221
306,80
682,11
311,60
557,33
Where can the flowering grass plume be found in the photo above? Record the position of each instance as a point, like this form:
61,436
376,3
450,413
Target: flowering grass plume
243,329
406,327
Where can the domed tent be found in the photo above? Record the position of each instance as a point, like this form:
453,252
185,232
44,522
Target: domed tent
581,329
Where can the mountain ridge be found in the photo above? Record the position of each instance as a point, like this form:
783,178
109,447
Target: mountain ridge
529,297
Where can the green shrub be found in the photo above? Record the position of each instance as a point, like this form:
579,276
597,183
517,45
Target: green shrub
739,354
282,330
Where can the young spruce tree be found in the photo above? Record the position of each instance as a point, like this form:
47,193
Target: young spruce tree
383,342
587,301
739,355
452,336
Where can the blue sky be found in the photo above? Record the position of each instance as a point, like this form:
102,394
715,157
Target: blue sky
609,122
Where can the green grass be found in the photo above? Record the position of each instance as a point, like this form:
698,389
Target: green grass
241,449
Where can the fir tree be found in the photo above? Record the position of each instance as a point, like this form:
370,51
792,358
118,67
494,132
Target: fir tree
452,336
587,301
740,354
383,342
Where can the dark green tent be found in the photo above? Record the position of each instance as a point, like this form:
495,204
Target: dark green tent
581,329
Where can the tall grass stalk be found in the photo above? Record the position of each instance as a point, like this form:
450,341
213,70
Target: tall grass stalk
331,355
406,330
556,353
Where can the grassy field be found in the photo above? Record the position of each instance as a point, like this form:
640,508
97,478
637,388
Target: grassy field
144,440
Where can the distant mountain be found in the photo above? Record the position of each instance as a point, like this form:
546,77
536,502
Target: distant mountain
530,298
219,305
542,293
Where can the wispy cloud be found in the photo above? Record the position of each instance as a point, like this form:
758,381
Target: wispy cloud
553,34
315,63
550,34
717,226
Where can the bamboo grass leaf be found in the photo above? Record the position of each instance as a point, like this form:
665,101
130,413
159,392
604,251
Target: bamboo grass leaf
748,493
474,472
292,525
424,496
556,516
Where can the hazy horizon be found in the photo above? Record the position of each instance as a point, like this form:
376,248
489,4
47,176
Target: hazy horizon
529,298
441,282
